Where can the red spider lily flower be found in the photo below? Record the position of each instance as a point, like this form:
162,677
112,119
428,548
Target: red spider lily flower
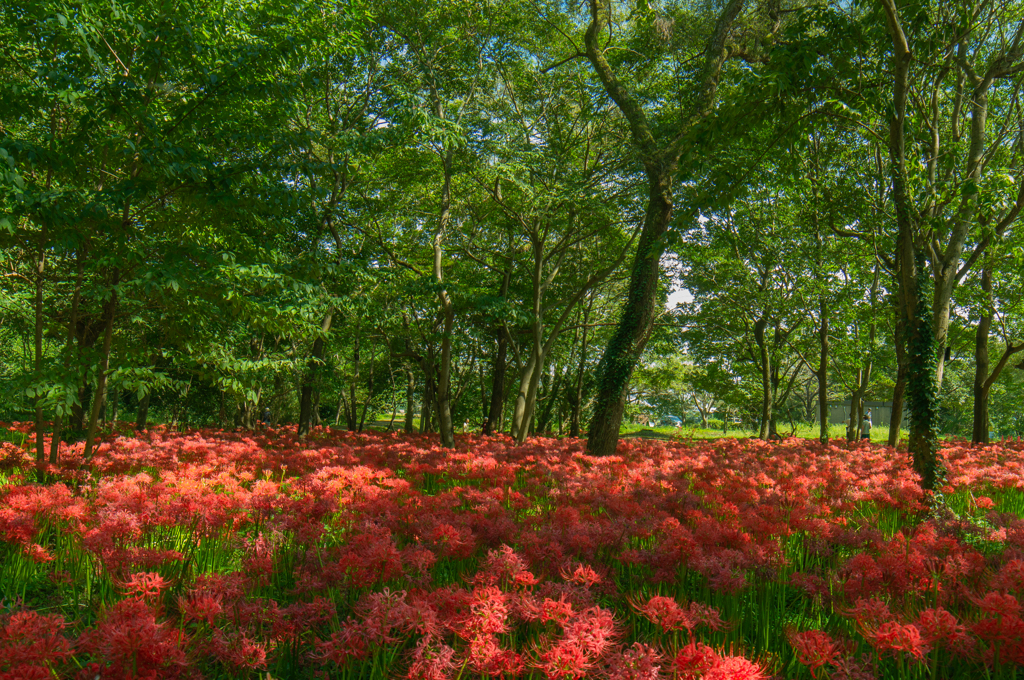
582,575
488,612
705,615
869,614
558,610
347,643
201,607
129,642
238,651
998,604
694,660
145,585
431,661
734,668
30,643
665,613
37,553
815,649
984,503
637,662
592,630
896,637
564,660
487,657
938,626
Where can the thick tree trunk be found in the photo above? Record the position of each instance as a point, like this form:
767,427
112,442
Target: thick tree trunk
637,318
309,378
660,163
909,263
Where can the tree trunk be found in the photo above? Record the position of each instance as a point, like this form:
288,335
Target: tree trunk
444,372
983,381
38,399
410,400
500,366
822,374
636,322
497,384
101,379
660,163
427,407
114,398
143,413
910,269
979,433
309,379
766,384
577,391
899,389
369,395
69,340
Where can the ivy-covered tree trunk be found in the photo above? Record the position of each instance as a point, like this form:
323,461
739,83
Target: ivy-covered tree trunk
921,385
634,325
914,283
660,162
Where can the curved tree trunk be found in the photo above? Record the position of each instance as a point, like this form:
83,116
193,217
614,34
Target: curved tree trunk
636,321
660,163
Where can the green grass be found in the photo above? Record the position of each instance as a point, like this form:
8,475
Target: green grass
879,433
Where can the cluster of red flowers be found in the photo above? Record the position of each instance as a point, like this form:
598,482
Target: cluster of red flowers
180,554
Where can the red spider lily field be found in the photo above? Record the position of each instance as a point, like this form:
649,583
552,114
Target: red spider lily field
212,554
